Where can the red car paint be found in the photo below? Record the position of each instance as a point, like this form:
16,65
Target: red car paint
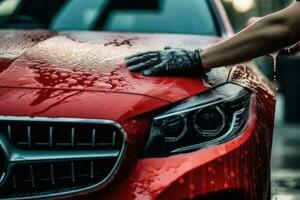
94,65
80,74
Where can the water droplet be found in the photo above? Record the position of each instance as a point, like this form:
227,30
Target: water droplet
102,85
71,81
192,187
92,77
87,82
232,174
119,88
53,76
64,75
226,185
21,79
103,79
288,49
274,57
181,181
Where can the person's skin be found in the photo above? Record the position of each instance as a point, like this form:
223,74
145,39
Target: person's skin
268,35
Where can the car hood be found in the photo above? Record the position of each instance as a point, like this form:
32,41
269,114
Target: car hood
93,61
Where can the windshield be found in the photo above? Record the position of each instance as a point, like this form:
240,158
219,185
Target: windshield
171,16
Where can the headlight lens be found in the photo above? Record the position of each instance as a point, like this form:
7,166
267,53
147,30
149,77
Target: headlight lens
203,120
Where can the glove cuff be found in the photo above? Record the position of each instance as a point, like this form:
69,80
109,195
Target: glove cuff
198,61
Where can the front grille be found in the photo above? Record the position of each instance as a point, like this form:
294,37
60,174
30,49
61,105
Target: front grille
49,157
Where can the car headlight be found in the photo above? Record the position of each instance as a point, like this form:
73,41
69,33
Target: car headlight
207,119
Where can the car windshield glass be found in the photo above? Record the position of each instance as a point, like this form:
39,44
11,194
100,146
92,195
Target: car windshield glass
170,16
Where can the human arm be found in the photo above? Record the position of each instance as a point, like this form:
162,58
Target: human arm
270,34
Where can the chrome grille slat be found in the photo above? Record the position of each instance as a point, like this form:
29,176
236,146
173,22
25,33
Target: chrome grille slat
51,136
62,156
29,136
73,172
93,138
114,138
52,174
92,169
21,156
32,177
73,137
14,182
9,131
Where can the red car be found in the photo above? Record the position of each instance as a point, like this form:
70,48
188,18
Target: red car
76,124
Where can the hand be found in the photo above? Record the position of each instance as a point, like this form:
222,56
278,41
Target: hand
167,61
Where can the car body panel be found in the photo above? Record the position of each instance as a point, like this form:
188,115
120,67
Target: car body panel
88,104
241,165
238,165
94,61
81,75
25,90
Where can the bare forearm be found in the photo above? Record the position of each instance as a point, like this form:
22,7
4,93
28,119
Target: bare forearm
266,36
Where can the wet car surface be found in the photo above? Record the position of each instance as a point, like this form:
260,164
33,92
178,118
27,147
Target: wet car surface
286,162
50,77
50,80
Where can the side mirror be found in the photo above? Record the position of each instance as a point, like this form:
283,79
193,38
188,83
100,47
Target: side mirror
251,21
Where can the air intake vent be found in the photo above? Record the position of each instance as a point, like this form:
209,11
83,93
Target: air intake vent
49,157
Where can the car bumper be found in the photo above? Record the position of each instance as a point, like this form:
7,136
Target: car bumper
238,169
